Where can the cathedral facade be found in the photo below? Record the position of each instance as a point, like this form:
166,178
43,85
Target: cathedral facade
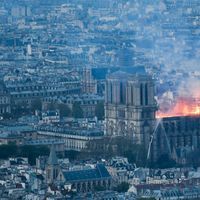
130,106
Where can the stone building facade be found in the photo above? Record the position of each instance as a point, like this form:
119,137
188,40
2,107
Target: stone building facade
4,100
89,85
130,106
75,139
25,93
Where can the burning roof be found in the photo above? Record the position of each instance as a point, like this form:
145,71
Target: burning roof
182,107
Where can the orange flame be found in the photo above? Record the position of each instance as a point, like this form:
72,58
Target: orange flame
183,107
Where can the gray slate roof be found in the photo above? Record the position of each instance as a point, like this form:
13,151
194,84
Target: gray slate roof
100,172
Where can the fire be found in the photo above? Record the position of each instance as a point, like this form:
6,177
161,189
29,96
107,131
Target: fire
183,107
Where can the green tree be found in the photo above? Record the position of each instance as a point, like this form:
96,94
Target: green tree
7,151
7,116
32,152
77,111
164,161
119,146
99,111
51,106
36,104
99,188
122,187
64,109
71,154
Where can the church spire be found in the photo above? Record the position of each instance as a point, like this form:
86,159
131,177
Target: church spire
52,168
53,160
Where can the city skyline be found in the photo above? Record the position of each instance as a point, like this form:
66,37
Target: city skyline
99,99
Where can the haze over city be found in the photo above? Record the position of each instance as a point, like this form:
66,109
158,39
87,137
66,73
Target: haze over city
99,99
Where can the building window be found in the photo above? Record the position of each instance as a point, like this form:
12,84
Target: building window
111,92
146,94
131,95
141,94
122,93
49,174
121,113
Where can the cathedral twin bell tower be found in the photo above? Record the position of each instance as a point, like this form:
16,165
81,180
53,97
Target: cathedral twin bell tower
130,106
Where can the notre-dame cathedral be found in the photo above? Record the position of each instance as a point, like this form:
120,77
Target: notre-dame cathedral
130,106
130,109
